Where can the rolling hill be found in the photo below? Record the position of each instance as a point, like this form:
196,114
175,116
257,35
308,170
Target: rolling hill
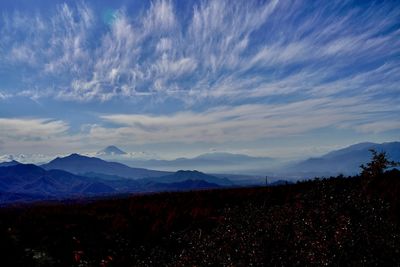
28,182
31,180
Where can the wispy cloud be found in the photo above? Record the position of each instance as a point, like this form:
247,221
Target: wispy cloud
247,122
248,46
68,49
37,135
31,128
17,131
4,96
225,70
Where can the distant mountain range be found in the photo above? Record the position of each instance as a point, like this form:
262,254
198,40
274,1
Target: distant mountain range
345,161
81,165
80,176
218,162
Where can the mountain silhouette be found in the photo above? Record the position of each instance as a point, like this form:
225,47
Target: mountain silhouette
215,162
79,164
346,161
9,163
28,182
29,179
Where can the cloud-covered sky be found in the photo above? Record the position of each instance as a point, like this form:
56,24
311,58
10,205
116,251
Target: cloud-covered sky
178,78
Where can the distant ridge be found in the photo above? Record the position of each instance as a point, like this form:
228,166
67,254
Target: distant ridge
81,165
9,163
215,162
345,161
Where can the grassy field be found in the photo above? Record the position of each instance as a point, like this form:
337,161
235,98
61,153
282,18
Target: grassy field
337,221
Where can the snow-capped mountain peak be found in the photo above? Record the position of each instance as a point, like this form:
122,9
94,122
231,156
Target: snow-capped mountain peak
111,151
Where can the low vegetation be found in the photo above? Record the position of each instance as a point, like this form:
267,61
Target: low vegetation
338,221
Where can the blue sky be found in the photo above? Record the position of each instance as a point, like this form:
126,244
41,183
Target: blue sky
179,78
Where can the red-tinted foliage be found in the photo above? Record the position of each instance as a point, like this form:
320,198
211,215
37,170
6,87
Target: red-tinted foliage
339,221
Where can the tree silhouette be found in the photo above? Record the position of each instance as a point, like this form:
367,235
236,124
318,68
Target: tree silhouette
378,164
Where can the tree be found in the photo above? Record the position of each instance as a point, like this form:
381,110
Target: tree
379,163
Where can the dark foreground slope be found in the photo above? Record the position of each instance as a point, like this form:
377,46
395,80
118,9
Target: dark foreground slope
340,222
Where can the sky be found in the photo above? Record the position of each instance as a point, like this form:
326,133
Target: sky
181,78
